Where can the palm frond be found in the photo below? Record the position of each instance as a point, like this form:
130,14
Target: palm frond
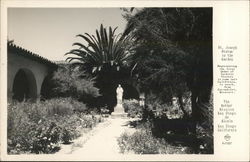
105,48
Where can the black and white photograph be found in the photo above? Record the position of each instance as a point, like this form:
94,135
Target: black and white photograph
134,80
110,81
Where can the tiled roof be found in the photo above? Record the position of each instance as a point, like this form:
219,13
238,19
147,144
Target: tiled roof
28,54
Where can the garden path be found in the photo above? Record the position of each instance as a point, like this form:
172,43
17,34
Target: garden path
102,140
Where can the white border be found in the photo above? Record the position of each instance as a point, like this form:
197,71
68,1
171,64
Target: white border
229,16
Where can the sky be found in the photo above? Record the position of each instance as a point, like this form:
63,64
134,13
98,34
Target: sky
50,32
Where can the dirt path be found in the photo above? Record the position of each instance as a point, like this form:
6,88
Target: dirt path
101,141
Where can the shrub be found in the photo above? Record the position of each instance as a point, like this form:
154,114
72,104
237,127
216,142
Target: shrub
205,128
28,135
61,106
157,109
206,145
143,142
133,108
44,137
169,109
105,111
79,106
39,127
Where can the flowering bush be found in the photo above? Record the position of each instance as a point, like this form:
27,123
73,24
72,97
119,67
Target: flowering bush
39,127
79,106
105,111
143,142
26,135
61,106
133,108
170,110
164,110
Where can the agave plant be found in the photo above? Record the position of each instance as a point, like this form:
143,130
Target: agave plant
103,50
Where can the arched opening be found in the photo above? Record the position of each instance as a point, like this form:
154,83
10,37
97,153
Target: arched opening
47,88
24,86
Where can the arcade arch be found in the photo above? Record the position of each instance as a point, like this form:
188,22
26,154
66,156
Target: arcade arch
24,85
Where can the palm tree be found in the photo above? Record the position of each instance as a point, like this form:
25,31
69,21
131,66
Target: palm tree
101,52
107,57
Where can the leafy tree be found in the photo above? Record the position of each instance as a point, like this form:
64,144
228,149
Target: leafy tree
72,82
184,32
163,73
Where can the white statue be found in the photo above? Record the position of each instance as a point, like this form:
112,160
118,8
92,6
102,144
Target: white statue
119,94
119,109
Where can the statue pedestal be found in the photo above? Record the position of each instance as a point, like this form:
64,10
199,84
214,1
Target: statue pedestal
118,111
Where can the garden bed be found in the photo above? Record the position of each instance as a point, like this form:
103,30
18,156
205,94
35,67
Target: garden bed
150,138
144,142
40,127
